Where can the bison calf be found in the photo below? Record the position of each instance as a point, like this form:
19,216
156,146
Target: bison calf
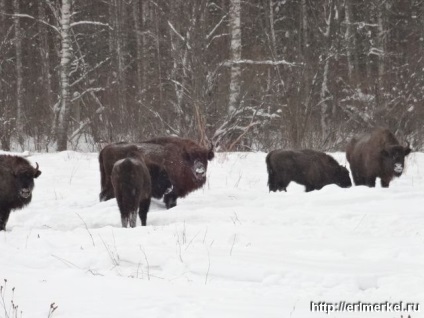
16,185
313,169
132,188
377,154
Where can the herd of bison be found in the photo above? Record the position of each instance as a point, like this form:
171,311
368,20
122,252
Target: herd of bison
172,167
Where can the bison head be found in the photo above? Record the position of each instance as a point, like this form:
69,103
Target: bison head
343,178
197,160
24,176
199,170
393,158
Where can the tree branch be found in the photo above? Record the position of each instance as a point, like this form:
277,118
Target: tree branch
96,23
264,62
19,15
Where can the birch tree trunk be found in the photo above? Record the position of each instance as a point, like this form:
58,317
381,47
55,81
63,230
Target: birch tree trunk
235,55
19,87
65,61
225,135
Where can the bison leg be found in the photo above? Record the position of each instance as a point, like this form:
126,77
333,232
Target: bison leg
282,185
309,188
370,182
283,181
144,208
170,199
385,182
271,181
4,216
133,218
358,180
107,194
124,220
277,181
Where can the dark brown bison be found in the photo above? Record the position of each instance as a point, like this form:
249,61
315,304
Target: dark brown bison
311,168
378,154
184,160
16,185
132,188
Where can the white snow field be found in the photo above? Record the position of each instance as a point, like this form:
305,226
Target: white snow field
231,249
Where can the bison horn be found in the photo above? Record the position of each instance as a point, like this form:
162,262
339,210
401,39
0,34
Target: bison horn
36,166
210,151
169,190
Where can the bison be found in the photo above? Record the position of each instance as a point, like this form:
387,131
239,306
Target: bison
114,152
184,161
16,185
132,188
377,154
311,168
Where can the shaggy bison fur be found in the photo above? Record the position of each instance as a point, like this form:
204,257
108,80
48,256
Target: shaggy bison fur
184,161
311,168
132,188
16,185
377,154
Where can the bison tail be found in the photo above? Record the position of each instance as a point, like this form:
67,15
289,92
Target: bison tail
349,148
102,172
271,174
127,202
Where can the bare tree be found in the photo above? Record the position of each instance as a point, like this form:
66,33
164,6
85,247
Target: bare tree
140,43
326,103
350,39
6,118
380,52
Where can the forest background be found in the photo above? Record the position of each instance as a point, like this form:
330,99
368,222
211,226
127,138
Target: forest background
246,75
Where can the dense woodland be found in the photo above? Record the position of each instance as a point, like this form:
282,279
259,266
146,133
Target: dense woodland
246,75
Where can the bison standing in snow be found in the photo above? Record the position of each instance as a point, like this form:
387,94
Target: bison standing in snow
114,152
377,154
184,161
311,168
132,188
16,185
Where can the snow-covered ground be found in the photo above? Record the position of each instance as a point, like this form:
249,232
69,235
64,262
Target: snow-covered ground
230,249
